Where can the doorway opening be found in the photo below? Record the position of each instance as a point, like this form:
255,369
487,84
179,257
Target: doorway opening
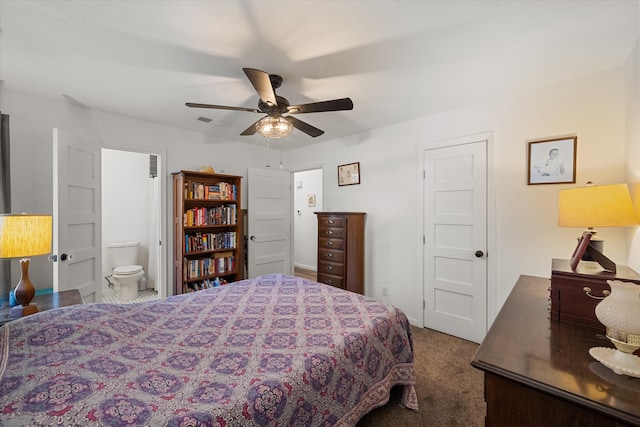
307,199
131,222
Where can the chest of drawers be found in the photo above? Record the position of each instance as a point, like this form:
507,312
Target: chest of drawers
341,250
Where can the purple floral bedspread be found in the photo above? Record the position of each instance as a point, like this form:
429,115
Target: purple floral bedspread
271,351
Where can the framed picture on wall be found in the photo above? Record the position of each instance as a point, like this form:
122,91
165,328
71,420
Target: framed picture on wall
311,200
552,161
349,174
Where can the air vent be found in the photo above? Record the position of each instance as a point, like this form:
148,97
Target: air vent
153,166
204,119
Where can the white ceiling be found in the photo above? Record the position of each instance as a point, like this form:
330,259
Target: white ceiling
396,60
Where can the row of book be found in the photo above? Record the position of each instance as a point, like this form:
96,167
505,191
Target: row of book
209,241
219,215
221,262
205,191
203,284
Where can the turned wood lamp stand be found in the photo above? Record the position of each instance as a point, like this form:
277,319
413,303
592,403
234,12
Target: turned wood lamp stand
23,236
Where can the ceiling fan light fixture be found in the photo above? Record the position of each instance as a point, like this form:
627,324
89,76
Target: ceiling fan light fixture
274,127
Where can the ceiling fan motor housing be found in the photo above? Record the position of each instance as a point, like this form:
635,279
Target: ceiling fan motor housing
276,81
274,110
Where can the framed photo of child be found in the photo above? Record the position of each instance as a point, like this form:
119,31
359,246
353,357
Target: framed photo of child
552,161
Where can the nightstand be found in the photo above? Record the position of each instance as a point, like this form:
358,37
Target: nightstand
45,302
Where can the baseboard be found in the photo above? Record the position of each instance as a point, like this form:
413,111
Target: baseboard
306,267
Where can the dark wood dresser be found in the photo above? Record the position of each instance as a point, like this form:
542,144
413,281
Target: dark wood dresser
341,250
538,371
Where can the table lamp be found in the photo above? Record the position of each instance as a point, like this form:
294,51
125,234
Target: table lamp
23,236
597,206
619,314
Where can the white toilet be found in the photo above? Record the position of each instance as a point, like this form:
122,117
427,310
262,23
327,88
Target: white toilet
126,273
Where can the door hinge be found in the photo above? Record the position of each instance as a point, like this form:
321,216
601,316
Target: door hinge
424,174
424,304
424,239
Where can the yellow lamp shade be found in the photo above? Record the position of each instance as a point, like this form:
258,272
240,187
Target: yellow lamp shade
596,206
25,235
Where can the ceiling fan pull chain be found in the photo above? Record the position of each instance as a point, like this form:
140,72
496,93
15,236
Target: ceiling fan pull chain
281,144
268,152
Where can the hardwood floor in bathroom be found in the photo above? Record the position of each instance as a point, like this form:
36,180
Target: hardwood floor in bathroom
305,274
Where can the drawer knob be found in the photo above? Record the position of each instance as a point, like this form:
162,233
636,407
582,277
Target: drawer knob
329,243
329,255
328,281
330,221
329,232
329,267
587,291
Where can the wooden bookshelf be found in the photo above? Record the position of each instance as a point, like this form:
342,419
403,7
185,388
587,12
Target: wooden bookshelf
208,230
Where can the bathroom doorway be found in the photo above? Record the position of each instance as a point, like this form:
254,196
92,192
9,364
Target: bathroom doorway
131,211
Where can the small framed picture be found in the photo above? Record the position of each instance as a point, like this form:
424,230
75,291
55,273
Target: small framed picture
311,200
349,174
552,161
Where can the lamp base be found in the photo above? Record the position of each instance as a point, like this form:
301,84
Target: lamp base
22,310
619,362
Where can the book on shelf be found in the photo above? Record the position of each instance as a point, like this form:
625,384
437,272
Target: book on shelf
210,241
219,215
219,263
206,191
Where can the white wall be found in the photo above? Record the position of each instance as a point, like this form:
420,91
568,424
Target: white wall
633,150
305,222
32,120
526,235
125,204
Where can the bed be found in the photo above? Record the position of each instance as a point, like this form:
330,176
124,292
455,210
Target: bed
271,351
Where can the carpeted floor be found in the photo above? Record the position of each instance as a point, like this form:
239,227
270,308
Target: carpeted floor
449,389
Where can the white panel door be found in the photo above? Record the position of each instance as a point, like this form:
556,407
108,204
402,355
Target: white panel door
77,242
455,218
269,222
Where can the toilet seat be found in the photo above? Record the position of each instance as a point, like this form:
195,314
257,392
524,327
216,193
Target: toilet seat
127,270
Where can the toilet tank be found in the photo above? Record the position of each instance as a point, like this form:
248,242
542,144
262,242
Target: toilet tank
123,253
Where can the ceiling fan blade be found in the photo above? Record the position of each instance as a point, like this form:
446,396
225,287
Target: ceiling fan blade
262,84
304,127
251,129
318,107
221,107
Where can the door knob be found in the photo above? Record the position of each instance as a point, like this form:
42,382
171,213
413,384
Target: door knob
64,257
479,254
253,238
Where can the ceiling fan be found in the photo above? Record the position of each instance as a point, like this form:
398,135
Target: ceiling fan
274,124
